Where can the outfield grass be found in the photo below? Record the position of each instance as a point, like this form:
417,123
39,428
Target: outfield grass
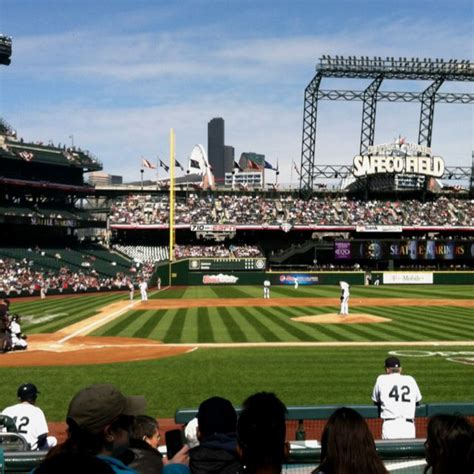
300,376
275,324
388,291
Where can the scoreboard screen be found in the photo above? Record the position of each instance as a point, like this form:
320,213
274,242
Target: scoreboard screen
218,264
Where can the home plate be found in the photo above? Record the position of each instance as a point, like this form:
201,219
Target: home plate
334,318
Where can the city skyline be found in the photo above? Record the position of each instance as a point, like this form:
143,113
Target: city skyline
116,76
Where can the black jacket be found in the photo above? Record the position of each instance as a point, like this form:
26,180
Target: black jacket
216,454
142,457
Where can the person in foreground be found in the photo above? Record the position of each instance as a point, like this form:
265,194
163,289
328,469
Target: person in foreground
99,421
397,397
216,430
261,432
449,445
29,419
348,447
143,454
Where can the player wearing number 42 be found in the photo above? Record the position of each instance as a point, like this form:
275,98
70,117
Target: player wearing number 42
397,396
29,419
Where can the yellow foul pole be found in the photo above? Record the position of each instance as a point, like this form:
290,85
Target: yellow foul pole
171,220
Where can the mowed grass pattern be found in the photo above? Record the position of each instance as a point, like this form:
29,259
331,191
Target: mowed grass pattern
275,324
53,314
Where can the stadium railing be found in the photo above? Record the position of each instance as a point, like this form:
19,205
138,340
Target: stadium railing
305,426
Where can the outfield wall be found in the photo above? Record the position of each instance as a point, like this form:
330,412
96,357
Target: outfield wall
181,275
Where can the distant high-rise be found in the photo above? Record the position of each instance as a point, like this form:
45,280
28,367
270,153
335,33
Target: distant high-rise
229,158
216,147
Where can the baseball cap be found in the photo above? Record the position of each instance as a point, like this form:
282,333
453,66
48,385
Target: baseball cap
392,362
216,415
27,391
94,407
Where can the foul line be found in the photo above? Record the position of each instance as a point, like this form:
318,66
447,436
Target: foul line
100,322
229,345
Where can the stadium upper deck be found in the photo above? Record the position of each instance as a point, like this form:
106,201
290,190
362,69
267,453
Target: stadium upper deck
257,210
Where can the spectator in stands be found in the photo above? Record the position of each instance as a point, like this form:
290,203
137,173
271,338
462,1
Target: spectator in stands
217,450
449,445
261,432
29,419
99,421
143,454
347,446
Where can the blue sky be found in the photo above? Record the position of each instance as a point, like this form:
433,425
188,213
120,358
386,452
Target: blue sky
118,74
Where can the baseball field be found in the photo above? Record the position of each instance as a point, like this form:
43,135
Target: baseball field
186,344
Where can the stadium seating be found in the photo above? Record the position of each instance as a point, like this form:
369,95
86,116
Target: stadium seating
258,209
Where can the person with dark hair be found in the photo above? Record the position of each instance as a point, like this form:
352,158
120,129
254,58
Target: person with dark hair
99,420
142,454
449,445
29,419
347,446
216,432
261,433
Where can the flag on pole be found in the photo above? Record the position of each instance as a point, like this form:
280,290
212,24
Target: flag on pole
148,164
165,166
296,169
178,164
269,166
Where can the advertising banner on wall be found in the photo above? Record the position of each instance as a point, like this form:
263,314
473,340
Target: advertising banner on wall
303,279
413,249
219,279
408,278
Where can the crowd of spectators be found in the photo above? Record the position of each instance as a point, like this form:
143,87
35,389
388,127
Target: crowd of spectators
144,253
217,250
19,277
258,209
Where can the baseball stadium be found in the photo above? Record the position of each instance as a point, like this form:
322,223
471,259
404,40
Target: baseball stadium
158,287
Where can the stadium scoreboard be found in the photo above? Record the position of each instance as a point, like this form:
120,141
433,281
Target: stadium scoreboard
218,264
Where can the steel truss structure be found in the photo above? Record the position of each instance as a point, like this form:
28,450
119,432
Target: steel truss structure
438,71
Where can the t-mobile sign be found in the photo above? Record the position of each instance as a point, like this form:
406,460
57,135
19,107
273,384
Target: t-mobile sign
342,250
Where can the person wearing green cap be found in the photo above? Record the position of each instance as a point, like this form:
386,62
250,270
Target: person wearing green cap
99,420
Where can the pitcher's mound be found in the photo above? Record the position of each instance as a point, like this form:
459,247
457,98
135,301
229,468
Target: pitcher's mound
334,318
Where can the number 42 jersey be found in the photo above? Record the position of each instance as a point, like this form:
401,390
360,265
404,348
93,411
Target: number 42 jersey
30,421
397,396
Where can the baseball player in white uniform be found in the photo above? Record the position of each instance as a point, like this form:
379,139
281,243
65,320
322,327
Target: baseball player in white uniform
266,289
30,420
344,297
296,282
397,396
143,290
18,341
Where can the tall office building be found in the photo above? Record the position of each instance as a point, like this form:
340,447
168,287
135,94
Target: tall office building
216,147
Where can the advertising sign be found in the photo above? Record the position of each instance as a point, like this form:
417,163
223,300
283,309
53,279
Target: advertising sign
342,250
303,279
413,249
408,278
219,279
